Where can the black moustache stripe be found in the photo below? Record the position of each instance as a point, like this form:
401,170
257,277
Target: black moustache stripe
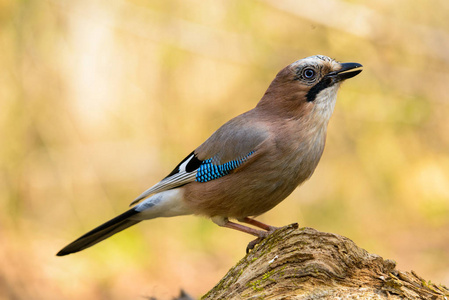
317,88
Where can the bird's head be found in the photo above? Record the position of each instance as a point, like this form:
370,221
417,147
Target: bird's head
308,87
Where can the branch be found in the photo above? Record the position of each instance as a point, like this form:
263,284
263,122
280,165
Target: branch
308,264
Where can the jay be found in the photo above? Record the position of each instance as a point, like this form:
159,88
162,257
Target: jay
252,162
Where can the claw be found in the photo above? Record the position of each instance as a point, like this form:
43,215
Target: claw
253,243
259,239
263,235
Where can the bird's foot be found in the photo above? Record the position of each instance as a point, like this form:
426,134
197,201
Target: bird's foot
253,243
260,238
265,234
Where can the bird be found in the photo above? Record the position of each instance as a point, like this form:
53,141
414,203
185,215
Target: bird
251,163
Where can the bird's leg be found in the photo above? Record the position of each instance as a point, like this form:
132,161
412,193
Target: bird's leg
224,222
243,228
259,233
259,224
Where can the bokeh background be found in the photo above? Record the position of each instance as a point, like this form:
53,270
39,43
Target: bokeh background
101,99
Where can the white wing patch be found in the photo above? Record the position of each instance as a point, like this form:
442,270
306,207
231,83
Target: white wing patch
178,179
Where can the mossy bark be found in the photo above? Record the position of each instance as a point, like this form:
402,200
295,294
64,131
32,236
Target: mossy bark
305,263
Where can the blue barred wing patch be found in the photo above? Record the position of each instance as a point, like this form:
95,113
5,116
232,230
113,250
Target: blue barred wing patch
209,171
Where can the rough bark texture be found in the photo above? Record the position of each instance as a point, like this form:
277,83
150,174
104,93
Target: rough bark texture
305,263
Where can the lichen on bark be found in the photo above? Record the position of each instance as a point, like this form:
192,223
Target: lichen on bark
303,263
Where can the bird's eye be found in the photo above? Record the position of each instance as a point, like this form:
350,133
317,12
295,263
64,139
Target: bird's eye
309,73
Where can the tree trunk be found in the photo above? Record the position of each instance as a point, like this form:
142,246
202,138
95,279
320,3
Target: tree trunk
305,263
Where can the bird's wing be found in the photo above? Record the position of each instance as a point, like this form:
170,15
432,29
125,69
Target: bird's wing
231,146
184,173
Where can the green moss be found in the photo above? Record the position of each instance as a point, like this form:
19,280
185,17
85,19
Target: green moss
266,246
430,286
256,285
394,282
232,276
249,295
267,275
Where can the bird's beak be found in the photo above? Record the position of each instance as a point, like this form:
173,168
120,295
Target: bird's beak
347,70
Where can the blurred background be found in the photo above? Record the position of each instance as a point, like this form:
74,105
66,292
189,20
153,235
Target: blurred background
101,99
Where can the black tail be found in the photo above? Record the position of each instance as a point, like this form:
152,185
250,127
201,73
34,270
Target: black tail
100,233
